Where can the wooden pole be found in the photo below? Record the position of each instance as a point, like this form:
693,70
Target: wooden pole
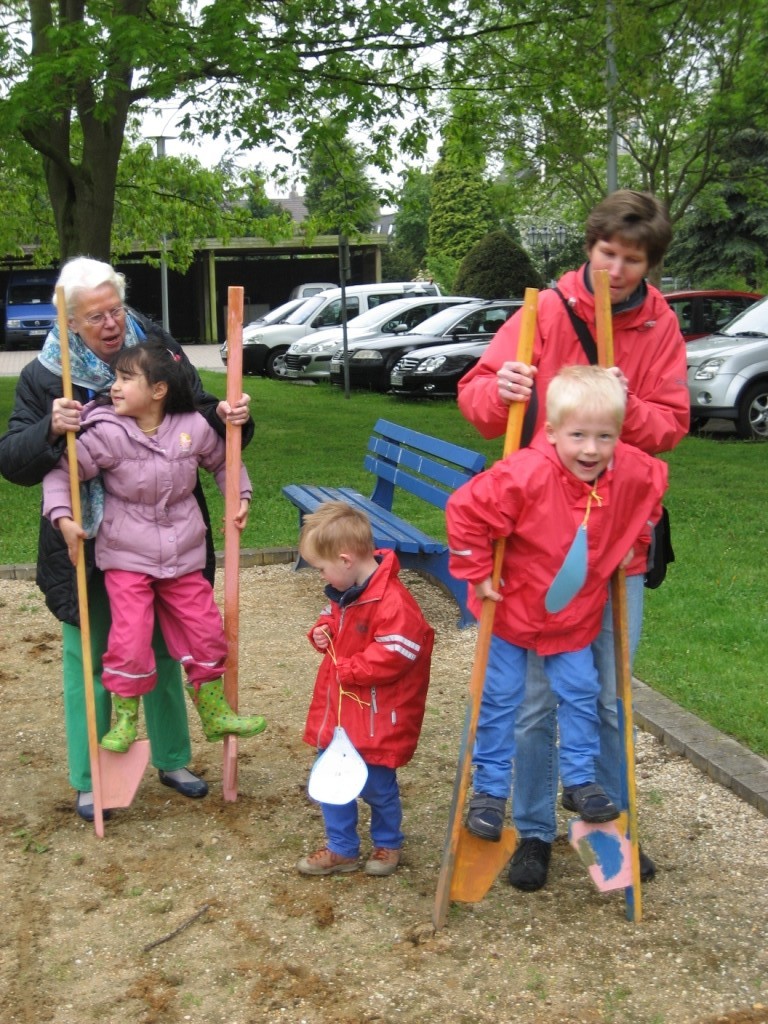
231,532
633,893
454,865
82,585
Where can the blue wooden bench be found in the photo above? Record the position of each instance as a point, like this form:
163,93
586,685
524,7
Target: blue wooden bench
425,466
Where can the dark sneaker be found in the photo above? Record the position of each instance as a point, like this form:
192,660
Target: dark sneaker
485,817
647,867
591,802
530,864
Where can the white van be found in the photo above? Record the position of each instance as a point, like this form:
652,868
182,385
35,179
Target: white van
263,344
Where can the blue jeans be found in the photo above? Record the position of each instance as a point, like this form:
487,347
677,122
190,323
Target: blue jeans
573,679
535,791
382,794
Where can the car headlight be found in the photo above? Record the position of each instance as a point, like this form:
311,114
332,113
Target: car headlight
13,323
709,369
365,355
323,346
431,364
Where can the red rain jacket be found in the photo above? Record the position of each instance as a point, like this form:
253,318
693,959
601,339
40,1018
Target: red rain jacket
383,649
537,504
648,348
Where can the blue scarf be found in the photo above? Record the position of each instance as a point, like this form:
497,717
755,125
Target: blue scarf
92,373
88,371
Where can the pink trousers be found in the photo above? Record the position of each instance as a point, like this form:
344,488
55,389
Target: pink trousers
188,616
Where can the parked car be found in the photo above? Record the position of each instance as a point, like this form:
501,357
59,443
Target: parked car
306,291
728,374
274,316
371,363
700,313
310,358
29,309
435,371
263,344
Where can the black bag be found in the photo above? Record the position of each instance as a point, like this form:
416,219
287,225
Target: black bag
660,553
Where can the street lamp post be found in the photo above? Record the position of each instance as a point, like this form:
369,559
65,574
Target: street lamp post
160,152
543,237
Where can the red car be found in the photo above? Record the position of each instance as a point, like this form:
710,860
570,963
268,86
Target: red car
700,313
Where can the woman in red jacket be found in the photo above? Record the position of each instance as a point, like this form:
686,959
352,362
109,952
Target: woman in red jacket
626,234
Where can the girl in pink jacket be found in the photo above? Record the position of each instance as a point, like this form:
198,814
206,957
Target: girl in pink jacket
571,507
142,454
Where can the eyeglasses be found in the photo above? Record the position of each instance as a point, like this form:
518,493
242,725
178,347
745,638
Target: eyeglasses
99,319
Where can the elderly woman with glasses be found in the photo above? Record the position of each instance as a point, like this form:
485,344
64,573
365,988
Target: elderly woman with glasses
99,326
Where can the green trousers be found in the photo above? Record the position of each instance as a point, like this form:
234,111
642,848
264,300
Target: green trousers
165,709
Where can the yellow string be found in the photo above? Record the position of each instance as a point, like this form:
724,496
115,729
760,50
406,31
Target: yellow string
331,651
593,495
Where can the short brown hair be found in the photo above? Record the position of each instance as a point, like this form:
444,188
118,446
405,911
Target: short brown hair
637,218
334,527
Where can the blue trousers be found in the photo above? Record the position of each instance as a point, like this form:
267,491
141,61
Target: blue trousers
573,679
382,795
535,779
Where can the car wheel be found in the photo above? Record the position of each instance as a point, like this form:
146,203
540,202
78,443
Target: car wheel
269,362
752,419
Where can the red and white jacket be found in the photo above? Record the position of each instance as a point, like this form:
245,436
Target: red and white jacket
648,348
383,650
534,502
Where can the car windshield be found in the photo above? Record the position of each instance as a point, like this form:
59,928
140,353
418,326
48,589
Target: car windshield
275,316
306,310
752,323
380,314
440,322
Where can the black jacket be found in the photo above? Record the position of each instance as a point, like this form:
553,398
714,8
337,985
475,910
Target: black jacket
26,455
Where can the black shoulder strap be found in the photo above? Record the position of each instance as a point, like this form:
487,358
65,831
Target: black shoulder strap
583,332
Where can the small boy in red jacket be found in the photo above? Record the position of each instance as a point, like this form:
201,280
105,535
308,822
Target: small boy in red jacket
372,681
577,491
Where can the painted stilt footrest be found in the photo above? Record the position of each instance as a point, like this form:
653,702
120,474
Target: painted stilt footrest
478,864
605,850
122,773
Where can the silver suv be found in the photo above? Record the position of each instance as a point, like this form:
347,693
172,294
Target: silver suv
728,374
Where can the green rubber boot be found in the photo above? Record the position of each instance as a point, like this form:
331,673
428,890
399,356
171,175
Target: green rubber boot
123,732
218,718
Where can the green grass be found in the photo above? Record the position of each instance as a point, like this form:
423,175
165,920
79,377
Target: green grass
705,642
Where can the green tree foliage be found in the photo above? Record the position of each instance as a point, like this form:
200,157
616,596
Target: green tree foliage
497,267
175,203
412,218
340,198
405,257
26,224
171,203
723,241
687,78
73,74
461,210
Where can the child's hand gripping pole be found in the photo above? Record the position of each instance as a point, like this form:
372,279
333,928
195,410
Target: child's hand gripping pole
470,865
114,777
633,896
232,533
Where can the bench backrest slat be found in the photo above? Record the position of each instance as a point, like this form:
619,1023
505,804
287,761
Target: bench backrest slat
415,468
